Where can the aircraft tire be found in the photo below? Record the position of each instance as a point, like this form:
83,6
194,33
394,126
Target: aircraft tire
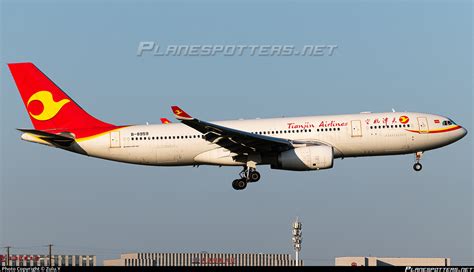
241,184
417,166
254,176
234,184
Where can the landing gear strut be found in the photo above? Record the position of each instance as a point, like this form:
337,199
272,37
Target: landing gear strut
248,174
417,166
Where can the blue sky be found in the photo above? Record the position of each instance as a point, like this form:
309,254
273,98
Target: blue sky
413,56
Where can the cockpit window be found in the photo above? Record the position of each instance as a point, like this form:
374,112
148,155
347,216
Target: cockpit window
448,123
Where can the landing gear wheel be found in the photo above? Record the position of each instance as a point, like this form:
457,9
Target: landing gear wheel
234,184
241,184
417,166
254,176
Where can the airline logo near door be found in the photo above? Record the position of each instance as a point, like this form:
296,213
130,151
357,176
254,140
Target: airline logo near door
403,119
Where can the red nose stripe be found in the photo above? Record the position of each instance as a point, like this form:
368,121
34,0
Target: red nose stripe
437,130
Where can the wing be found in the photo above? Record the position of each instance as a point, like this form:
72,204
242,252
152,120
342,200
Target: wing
235,140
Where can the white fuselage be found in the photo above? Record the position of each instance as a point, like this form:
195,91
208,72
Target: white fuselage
352,135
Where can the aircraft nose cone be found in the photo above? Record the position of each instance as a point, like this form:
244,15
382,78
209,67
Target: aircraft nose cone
458,134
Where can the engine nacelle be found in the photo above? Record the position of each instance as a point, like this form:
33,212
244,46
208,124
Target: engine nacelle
306,158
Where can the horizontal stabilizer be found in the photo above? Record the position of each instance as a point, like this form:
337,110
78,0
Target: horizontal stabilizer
62,139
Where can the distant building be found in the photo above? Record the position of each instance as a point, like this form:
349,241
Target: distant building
43,260
202,259
391,261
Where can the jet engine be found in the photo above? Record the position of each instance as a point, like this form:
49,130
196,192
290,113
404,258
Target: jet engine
305,158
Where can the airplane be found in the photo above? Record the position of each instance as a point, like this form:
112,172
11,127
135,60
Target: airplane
291,143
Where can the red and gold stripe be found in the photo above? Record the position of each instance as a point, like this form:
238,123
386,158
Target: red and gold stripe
440,130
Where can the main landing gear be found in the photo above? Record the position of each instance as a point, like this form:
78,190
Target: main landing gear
248,174
417,166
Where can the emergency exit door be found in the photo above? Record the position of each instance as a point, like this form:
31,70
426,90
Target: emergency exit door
356,128
115,139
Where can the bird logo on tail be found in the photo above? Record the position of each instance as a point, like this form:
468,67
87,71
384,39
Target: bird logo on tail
50,107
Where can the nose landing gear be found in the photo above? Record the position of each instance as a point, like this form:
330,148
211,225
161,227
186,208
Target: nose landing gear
248,174
417,166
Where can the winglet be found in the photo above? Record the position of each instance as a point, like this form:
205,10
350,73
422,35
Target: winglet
180,114
165,121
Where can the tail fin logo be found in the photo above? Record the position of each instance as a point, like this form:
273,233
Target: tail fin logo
50,107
